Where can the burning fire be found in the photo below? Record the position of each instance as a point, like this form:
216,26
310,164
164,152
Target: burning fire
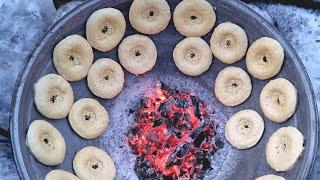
172,135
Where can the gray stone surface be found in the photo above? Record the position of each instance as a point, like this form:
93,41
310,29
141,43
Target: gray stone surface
22,23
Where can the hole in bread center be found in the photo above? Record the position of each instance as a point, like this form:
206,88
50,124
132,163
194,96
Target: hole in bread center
150,14
265,59
105,29
74,58
95,164
283,145
47,143
244,126
137,53
193,17
192,56
87,117
284,142
53,98
55,95
278,99
108,76
71,58
234,85
228,42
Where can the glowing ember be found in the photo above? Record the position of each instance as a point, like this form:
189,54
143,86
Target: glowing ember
172,136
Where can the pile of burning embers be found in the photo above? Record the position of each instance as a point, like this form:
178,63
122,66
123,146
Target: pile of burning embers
172,136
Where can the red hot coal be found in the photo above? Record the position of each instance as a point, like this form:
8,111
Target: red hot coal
172,136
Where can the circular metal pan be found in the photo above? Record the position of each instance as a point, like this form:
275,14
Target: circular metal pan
228,162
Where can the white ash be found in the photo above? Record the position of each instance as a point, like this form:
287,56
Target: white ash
121,121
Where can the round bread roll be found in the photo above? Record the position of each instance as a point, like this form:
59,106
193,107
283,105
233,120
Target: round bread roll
94,164
72,57
192,56
88,118
137,54
278,100
46,143
53,96
105,29
244,129
229,42
233,86
284,148
264,58
194,18
105,78
149,16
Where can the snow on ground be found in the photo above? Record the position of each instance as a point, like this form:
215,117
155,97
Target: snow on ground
21,24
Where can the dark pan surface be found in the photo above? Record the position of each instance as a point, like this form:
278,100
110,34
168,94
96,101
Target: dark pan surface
228,163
